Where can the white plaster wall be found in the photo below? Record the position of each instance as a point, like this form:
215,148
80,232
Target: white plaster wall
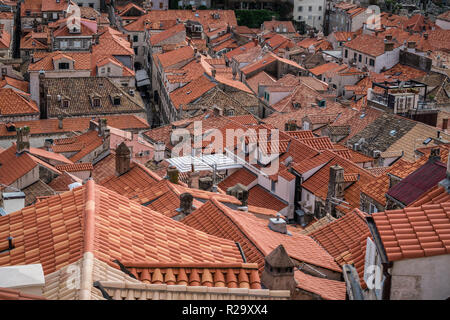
426,278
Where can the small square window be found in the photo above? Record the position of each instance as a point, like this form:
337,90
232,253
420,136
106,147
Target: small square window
116,101
65,103
96,102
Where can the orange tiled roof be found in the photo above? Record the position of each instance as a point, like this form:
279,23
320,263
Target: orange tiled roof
84,144
9,294
48,126
82,61
327,289
415,232
260,197
18,84
436,195
368,44
330,66
14,167
192,91
61,182
255,238
13,103
172,57
337,237
81,166
242,176
231,275
58,230
166,34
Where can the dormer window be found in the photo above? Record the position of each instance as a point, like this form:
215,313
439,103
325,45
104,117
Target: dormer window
65,103
27,13
63,66
116,101
96,102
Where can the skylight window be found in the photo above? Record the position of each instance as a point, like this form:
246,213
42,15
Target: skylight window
362,116
427,141
392,132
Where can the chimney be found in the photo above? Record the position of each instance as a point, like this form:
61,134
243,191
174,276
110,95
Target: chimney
435,155
388,46
60,121
278,224
205,183
240,192
290,125
23,139
278,271
172,174
194,179
48,144
13,201
186,203
411,44
425,36
123,157
213,73
335,188
255,40
160,149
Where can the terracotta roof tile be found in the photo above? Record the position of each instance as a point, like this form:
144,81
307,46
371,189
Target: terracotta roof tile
260,197
10,294
430,221
368,44
327,289
13,103
242,176
97,220
81,166
203,274
255,238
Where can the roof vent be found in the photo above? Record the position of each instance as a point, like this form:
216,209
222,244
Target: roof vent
278,224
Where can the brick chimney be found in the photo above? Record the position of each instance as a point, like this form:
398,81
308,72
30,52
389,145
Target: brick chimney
123,158
278,271
23,139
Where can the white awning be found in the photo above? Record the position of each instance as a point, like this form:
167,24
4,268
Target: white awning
204,163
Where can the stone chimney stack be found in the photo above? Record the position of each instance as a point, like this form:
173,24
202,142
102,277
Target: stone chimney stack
194,179
23,139
186,203
435,155
123,158
172,174
335,187
388,46
278,271
240,192
206,183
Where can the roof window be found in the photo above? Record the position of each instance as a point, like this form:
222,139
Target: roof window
427,141
392,132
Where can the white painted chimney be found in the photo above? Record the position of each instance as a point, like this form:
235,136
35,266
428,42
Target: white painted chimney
13,201
160,148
